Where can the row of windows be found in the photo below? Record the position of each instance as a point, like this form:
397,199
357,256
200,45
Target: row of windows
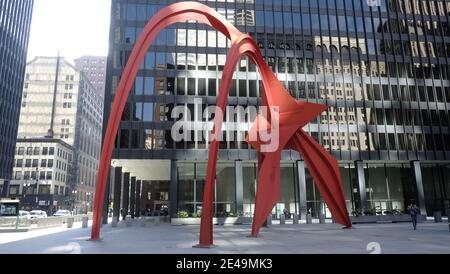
44,151
33,175
336,64
36,151
310,21
43,190
336,91
410,117
211,39
151,112
158,139
46,163
436,8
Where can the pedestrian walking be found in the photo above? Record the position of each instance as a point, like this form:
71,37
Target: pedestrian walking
124,213
413,211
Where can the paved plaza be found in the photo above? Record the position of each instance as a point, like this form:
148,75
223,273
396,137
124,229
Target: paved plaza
163,238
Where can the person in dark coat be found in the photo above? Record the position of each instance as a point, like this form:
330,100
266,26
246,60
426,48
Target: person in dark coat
413,211
123,213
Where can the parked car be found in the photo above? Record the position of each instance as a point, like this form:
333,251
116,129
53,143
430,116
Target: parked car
37,214
24,214
62,213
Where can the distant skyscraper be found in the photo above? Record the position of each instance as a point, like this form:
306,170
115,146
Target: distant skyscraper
15,21
64,106
95,69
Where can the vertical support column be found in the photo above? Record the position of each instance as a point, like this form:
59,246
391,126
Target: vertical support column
126,193
5,189
132,196
173,189
106,201
117,192
137,211
419,185
239,173
361,185
302,189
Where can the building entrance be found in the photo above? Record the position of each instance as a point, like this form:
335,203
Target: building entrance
155,198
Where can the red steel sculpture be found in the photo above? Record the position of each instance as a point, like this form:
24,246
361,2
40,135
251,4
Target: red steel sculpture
285,114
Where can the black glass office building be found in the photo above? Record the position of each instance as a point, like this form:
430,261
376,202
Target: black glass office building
15,21
382,67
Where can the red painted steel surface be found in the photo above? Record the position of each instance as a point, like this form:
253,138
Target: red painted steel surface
293,116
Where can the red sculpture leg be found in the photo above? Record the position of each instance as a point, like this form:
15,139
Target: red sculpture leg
325,171
238,49
206,226
268,191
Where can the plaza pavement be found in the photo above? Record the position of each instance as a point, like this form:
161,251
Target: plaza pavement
291,239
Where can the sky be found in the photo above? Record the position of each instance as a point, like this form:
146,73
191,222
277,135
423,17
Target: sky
74,27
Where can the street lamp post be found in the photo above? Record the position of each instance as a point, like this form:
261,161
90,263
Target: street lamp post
25,188
88,202
74,195
37,187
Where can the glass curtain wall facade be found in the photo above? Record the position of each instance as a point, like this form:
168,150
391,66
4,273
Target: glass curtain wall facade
382,67
15,21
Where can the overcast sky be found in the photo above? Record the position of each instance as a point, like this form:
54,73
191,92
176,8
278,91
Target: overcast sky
74,27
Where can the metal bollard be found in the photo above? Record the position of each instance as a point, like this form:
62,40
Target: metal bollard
269,219
84,222
142,220
128,221
295,219
114,222
282,219
448,217
322,218
70,221
437,217
309,219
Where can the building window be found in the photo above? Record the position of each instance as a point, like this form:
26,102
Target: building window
45,151
29,151
18,175
21,151
19,163
51,151
49,176
36,151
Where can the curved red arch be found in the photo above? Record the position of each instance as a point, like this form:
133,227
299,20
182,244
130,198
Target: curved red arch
178,12
274,95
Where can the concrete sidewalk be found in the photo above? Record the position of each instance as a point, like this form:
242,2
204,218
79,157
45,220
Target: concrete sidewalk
164,238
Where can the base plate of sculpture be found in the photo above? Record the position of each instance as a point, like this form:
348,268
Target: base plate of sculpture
204,246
